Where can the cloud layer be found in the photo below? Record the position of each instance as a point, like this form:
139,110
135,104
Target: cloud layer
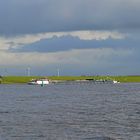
87,60
29,17
80,36
69,42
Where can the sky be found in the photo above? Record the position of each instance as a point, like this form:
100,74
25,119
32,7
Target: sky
78,37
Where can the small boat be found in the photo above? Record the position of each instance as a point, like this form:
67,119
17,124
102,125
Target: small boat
43,81
105,81
115,82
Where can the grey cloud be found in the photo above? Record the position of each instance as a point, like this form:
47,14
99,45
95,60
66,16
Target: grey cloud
28,17
65,43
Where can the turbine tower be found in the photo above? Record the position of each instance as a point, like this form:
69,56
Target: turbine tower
28,71
58,72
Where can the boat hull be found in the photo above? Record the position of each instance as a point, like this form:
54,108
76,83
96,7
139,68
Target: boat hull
39,82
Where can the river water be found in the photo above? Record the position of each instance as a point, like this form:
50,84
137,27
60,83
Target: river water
70,112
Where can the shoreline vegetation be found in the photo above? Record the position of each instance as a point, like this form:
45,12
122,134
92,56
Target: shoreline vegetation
26,79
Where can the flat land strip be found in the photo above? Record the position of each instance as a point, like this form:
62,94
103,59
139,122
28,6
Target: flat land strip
25,79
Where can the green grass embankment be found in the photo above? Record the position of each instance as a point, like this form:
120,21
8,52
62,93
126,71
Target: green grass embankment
127,79
17,79
25,79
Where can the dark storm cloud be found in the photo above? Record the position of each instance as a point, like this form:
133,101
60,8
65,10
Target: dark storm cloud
65,43
30,16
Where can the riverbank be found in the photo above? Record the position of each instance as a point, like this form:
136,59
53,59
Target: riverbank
25,79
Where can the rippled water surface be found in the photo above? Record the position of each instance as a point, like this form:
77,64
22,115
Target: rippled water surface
70,112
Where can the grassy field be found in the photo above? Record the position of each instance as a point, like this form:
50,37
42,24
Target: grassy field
25,79
17,79
126,79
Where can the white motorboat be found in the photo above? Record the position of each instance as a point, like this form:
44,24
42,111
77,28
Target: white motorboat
43,81
115,82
